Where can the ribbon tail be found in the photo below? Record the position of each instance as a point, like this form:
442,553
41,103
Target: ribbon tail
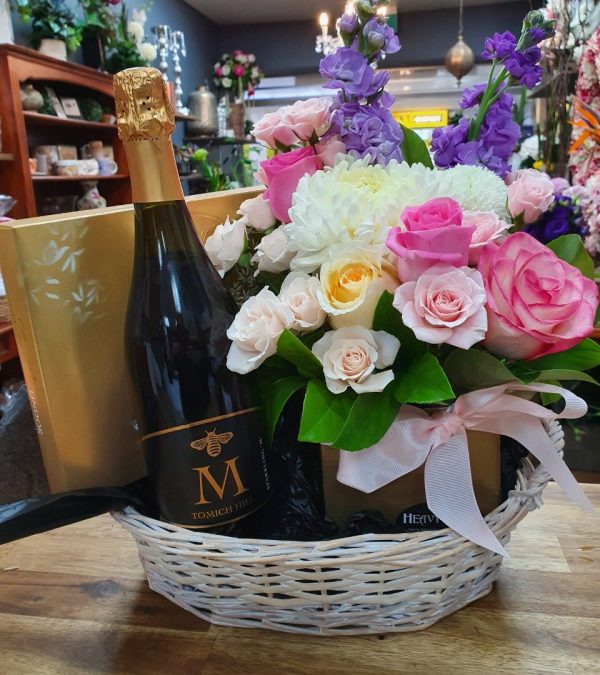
450,495
530,433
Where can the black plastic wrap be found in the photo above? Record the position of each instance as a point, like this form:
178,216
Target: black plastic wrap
39,514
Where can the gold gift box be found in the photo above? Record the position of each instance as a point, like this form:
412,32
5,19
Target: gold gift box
67,279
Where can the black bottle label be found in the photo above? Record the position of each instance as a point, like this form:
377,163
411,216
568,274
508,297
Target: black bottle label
210,472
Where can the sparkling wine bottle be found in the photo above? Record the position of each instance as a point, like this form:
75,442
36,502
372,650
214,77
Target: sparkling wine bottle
198,422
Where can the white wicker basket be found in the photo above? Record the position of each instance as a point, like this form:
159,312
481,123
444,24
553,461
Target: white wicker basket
364,584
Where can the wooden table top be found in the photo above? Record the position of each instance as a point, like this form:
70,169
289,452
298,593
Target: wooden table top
75,601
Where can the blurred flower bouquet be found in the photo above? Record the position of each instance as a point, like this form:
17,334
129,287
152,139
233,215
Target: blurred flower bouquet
237,74
384,283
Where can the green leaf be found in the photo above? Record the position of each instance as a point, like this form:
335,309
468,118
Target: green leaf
583,356
293,350
570,248
549,399
369,418
422,381
275,392
414,148
555,375
324,414
389,319
473,369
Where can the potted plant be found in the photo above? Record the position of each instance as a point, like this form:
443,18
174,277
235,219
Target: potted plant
54,31
97,29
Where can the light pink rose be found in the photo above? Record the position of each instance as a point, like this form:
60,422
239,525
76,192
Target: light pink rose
434,234
446,304
226,244
529,194
282,174
299,293
272,253
295,123
488,229
537,303
257,213
329,149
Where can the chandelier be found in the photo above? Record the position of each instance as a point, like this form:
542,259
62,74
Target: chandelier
326,44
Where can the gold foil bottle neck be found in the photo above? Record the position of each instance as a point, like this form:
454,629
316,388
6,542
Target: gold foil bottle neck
143,109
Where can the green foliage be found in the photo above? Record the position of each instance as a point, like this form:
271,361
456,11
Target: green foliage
414,148
276,387
584,356
292,349
50,20
324,414
570,248
422,380
473,369
389,319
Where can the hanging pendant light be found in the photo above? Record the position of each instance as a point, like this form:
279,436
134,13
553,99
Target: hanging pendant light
459,59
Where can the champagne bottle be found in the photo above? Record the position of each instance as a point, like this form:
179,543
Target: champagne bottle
198,421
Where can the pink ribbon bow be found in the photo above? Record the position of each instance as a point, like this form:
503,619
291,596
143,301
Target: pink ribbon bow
440,441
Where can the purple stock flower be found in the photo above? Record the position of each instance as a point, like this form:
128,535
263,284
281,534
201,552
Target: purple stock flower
348,23
349,70
368,130
535,35
499,132
471,97
523,66
380,36
499,46
446,142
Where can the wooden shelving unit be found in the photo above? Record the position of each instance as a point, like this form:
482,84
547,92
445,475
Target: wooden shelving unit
23,129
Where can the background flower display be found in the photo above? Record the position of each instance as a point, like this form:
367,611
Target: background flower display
237,74
379,283
49,20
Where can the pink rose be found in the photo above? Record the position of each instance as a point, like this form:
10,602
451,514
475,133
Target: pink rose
529,194
434,234
218,71
282,174
560,185
329,149
295,123
488,229
238,71
257,213
537,303
446,304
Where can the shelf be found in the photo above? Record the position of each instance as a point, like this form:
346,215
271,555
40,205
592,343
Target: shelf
185,118
51,120
6,157
77,179
192,176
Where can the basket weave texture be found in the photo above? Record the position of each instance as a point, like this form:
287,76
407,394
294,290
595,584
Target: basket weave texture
355,585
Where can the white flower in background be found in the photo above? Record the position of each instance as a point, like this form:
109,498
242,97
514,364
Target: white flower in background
147,51
255,72
135,31
241,58
475,188
299,293
351,283
226,70
226,82
272,253
256,330
226,245
351,201
257,213
139,16
251,58
351,355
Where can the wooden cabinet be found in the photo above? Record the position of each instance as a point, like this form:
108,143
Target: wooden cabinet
21,130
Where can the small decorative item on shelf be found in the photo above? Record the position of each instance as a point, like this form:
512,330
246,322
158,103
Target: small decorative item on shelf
91,110
108,118
54,101
91,149
71,107
178,50
54,30
76,167
91,199
202,105
31,98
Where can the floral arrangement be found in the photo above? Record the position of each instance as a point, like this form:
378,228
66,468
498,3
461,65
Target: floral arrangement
128,45
490,135
381,285
237,73
49,19
588,196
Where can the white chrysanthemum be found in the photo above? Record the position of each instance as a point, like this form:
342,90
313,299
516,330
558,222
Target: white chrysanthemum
351,201
475,189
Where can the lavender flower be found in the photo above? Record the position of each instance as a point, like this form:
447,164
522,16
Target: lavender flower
472,97
499,46
348,23
381,37
536,35
368,130
522,65
446,142
348,70
563,217
499,132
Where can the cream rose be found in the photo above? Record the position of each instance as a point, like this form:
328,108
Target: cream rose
352,281
351,355
255,331
299,293
272,253
257,213
226,244
488,229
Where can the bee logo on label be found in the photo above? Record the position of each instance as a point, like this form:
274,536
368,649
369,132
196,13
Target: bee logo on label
212,442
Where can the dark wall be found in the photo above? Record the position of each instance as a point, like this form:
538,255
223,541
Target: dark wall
286,49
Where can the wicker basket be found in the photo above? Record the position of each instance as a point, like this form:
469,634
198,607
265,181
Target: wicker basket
364,584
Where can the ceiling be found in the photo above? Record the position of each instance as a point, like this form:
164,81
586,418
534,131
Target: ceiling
268,11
